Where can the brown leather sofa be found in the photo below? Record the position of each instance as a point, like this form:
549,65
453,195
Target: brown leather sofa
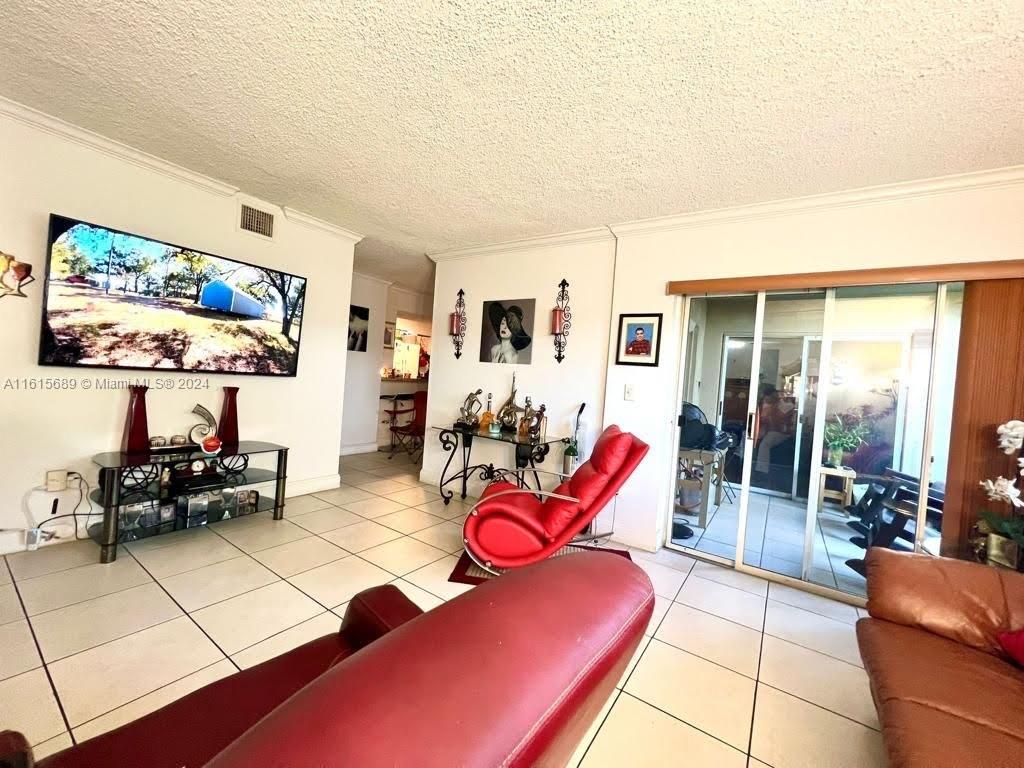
511,673
947,695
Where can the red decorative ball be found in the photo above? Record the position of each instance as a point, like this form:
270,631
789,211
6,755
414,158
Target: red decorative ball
211,444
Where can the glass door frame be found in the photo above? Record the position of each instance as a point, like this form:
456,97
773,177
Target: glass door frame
939,332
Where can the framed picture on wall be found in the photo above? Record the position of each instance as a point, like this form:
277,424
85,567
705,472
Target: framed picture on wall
506,334
639,340
358,327
389,335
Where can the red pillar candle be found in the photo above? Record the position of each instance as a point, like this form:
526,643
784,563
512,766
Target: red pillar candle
453,324
557,321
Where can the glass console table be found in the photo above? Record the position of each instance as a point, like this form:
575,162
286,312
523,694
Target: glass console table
528,453
146,494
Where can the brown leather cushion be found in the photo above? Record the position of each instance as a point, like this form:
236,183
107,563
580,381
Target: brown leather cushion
918,736
190,731
911,666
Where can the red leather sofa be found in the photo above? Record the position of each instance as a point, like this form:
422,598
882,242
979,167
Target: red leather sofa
510,527
511,673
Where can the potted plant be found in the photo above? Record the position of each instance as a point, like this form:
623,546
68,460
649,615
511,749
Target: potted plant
843,435
1005,533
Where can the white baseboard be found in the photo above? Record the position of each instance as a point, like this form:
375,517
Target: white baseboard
14,541
312,485
348,450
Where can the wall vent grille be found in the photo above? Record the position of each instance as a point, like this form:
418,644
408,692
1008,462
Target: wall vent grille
255,220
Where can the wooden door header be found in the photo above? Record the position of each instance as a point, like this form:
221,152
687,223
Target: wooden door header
930,273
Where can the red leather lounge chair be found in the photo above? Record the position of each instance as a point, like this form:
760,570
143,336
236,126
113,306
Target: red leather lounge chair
510,527
512,673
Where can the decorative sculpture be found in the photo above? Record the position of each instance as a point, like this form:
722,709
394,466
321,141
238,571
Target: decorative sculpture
200,432
508,414
469,413
13,276
535,426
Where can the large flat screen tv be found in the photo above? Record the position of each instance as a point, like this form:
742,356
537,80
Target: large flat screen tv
117,300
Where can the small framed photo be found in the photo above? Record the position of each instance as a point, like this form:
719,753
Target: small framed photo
389,335
639,340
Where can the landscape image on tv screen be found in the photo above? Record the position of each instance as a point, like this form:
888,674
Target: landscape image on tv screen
119,300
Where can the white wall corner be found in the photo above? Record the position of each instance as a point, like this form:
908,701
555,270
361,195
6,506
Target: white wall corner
314,223
85,137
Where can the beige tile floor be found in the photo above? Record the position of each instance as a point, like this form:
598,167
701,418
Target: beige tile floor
733,671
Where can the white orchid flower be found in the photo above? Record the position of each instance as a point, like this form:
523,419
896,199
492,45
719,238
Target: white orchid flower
1020,463
1002,489
1011,436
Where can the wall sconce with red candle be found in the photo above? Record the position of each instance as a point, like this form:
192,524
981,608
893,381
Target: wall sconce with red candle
561,319
457,323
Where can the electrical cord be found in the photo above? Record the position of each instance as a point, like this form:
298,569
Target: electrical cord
83,497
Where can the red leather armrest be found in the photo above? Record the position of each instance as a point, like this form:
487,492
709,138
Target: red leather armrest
511,674
374,612
15,751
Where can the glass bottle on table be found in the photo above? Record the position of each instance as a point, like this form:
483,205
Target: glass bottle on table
487,417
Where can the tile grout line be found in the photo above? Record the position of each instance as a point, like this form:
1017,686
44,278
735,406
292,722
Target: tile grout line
615,698
148,693
757,681
680,720
189,615
819,706
42,661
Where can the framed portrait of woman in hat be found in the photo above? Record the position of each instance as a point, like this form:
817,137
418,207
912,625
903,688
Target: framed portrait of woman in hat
506,334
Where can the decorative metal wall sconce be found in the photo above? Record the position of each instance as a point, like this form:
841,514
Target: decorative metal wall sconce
561,320
457,323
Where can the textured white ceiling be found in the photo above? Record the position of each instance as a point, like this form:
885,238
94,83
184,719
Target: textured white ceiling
454,123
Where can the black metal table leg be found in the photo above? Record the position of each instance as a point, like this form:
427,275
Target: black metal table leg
279,488
111,519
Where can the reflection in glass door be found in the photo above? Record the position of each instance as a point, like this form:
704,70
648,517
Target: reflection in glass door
714,423
775,530
814,425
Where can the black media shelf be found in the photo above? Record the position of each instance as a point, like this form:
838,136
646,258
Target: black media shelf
145,495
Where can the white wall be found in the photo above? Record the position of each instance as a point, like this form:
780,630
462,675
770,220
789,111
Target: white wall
523,270
362,374
976,218
46,166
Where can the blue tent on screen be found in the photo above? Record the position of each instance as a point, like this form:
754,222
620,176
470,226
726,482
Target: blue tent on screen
219,295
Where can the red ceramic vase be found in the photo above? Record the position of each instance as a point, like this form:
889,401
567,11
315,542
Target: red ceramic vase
136,426
227,431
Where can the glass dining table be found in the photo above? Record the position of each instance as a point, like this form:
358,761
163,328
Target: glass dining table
529,452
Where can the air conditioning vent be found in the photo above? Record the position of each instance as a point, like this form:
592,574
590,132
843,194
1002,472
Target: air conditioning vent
255,220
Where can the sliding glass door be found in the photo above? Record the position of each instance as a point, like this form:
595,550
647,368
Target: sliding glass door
814,425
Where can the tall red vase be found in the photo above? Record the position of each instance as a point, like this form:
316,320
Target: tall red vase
227,431
136,426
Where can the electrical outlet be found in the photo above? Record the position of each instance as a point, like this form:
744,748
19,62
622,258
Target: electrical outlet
56,480
627,393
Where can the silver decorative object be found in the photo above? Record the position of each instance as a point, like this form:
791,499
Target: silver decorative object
200,432
508,414
469,413
535,423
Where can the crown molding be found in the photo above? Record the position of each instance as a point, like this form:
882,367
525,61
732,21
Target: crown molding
312,222
545,241
998,177
411,291
373,278
84,137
